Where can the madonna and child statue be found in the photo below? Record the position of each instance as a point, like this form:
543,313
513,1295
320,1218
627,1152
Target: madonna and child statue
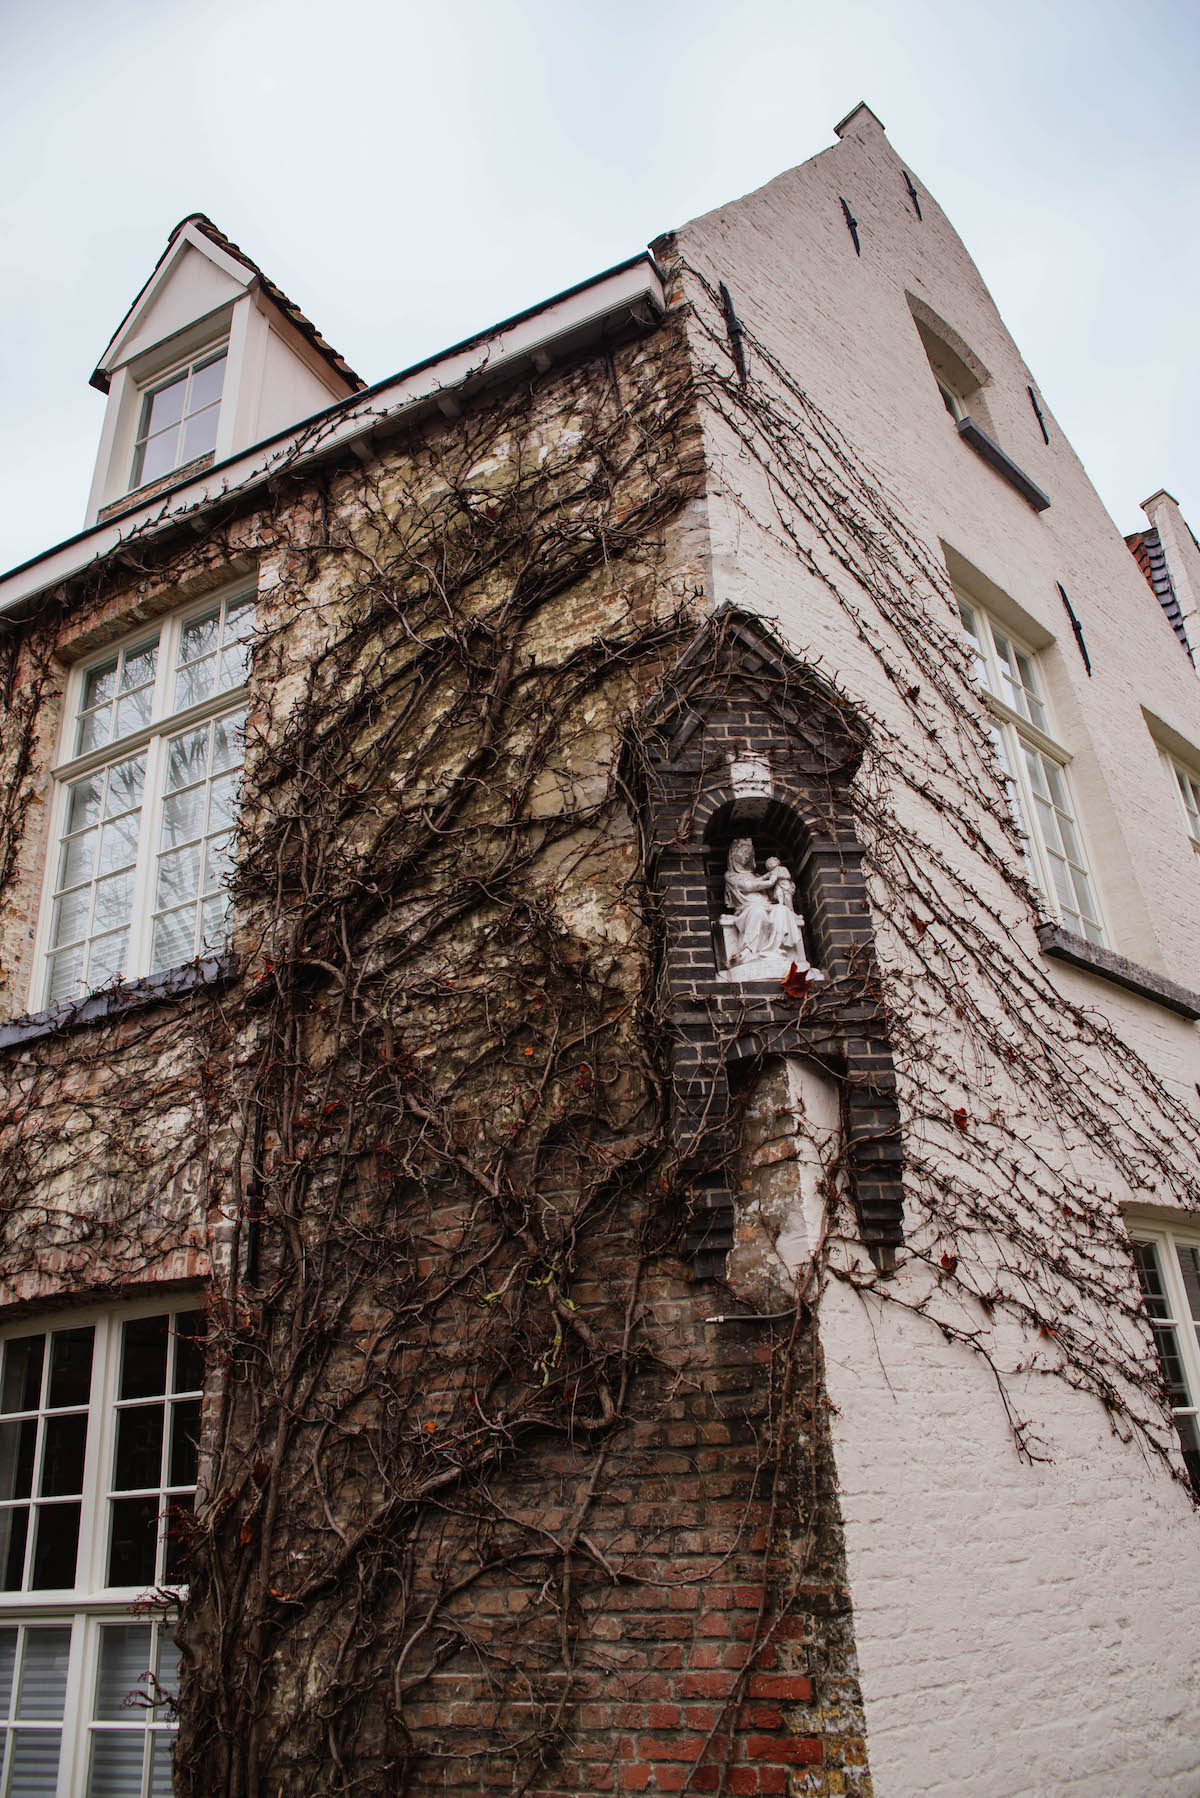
763,931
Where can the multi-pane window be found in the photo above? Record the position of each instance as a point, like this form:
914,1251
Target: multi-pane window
98,1458
1188,788
1168,1267
178,419
1036,772
146,802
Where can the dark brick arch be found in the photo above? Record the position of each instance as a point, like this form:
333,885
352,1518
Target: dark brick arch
755,700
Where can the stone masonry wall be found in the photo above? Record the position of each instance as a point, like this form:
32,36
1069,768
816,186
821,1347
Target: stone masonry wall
488,1500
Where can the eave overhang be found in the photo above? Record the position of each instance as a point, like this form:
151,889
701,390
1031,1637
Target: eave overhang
611,305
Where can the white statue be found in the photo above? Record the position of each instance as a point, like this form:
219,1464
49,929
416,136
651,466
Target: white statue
763,934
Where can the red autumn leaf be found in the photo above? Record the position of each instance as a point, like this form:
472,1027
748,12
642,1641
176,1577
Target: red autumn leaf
960,1117
919,924
949,1262
795,983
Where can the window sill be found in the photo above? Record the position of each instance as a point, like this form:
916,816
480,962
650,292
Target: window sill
115,1001
138,496
995,457
1064,945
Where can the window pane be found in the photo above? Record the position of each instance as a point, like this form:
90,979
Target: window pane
162,1752
187,758
222,804
185,1433
116,1769
189,1351
139,1448
119,844
1033,704
235,666
174,939
1189,1442
207,381
164,407
178,876
123,1674
99,686
94,728
157,457
179,1535
125,784
114,902
137,669
144,1358
106,959
239,620
1189,1267
8,1651
133,710
195,682
70,1367
14,1533
218,861
200,636
199,434
1010,687
133,1542
55,1546
214,923
44,1673
168,1671
33,1769
62,1454
23,1372
83,802
78,859
66,976
228,741
72,914
183,817
18,1452
1189,791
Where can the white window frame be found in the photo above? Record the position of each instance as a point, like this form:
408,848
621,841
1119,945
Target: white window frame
1167,1240
153,737
1017,733
144,394
1186,786
89,1604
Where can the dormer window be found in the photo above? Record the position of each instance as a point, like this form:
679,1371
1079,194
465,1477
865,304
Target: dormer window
178,422
958,384
210,359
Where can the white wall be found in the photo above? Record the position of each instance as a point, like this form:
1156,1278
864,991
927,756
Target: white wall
1022,1628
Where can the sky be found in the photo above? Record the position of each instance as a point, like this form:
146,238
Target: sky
410,173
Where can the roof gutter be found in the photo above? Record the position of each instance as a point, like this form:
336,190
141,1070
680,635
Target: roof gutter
630,295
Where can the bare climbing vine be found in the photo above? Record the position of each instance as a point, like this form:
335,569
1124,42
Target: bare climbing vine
421,1134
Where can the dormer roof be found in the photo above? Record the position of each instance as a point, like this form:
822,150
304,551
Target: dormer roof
225,273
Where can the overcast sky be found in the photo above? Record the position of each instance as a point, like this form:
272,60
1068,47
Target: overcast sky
409,173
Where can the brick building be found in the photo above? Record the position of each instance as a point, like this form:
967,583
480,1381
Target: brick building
487,1305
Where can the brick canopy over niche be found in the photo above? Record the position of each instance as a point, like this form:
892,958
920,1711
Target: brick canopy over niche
738,696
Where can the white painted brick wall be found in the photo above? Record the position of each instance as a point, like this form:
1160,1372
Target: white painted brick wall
1025,1631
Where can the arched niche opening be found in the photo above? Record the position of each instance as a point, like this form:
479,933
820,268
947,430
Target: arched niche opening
775,830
